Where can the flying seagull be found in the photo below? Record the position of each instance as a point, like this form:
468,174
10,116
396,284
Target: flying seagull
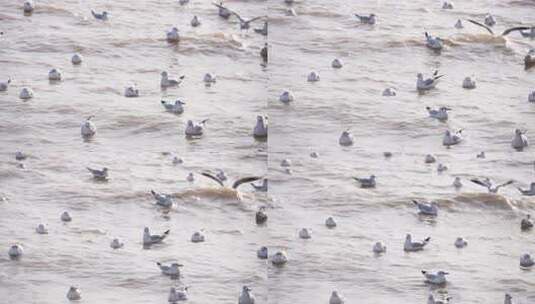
489,185
236,184
507,31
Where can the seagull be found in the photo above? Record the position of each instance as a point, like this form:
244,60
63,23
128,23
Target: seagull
74,294
530,34
438,278
457,182
197,237
163,200
520,140
469,83
209,78
195,129
450,139
336,298
99,174
116,244
5,85
526,261
88,128
411,246
459,24
313,77
183,2
431,300
262,31
286,97
20,156
28,7
246,296
246,24
330,222
337,63
261,216
66,217
166,82
428,84
15,251
366,19
100,16
262,253
366,182
279,258
526,223
304,233
264,52
427,208
223,11
26,93
434,43
440,113
531,96
346,139
488,184
190,178
505,33
149,239
176,107
314,154
529,60
528,192
261,128
221,175
195,21
236,183
172,36
389,92
460,242
54,75
41,229
441,168
447,5
177,295
379,247
262,187
508,299
489,20
131,91
481,155
172,270
76,59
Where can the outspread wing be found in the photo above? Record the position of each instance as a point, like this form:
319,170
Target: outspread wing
245,180
482,25
217,180
481,183
518,28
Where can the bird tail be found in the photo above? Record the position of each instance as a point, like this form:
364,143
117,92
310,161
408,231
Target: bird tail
152,192
424,272
9,80
415,202
166,232
438,76
427,240
163,102
159,264
356,15
93,13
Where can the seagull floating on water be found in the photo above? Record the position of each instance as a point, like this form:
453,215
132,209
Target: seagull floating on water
531,96
262,31
131,91
195,21
457,182
481,155
469,83
163,200
313,77
41,229
15,251
88,128
209,78
330,222
337,63
261,216
438,278
460,242
279,258
336,298
262,253
261,128
150,239
197,237
100,16
371,19
428,84
195,129
529,60
379,247
54,75
286,163
172,36
450,139
489,185
431,300
429,159
427,208
520,140
190,178
447,5
526,223
346,139
66,217
286,97
314,154
490,20
305,233
176,295
176,108
4,85
26,93
223,12
74,294
264,52
246,296
411,246
526,261
76,59
508,299
172,270
262,187
116,244
440,113
20,155
434,43
166,81
441,168
99,174
459,24
368,182
389,92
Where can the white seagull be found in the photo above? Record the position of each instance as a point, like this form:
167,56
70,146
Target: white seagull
99,174
336,298
330,222
366,182
411,246
433,42
346,139
66,217
337,63
262,187
457,182
223,12
150,239
176,295
195,21
440,113
195,129
520,140
176,108
531,96
371,19
54,75
313,76
74,294
163,200
116,244
526,223
489,185
26,93
459,24
28,6
131,91
469,83
526,260
261,128
450,139
286,97
246,24
279,258
246,296
41,229
100,16
4,85
172,270
427,208
15,251
427,84
460,242
438,278
76,59
197,237
447,5
262,253
172,36
166,81
379,247
88,128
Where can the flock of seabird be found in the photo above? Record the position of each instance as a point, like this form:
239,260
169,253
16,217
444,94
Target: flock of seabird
196,129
